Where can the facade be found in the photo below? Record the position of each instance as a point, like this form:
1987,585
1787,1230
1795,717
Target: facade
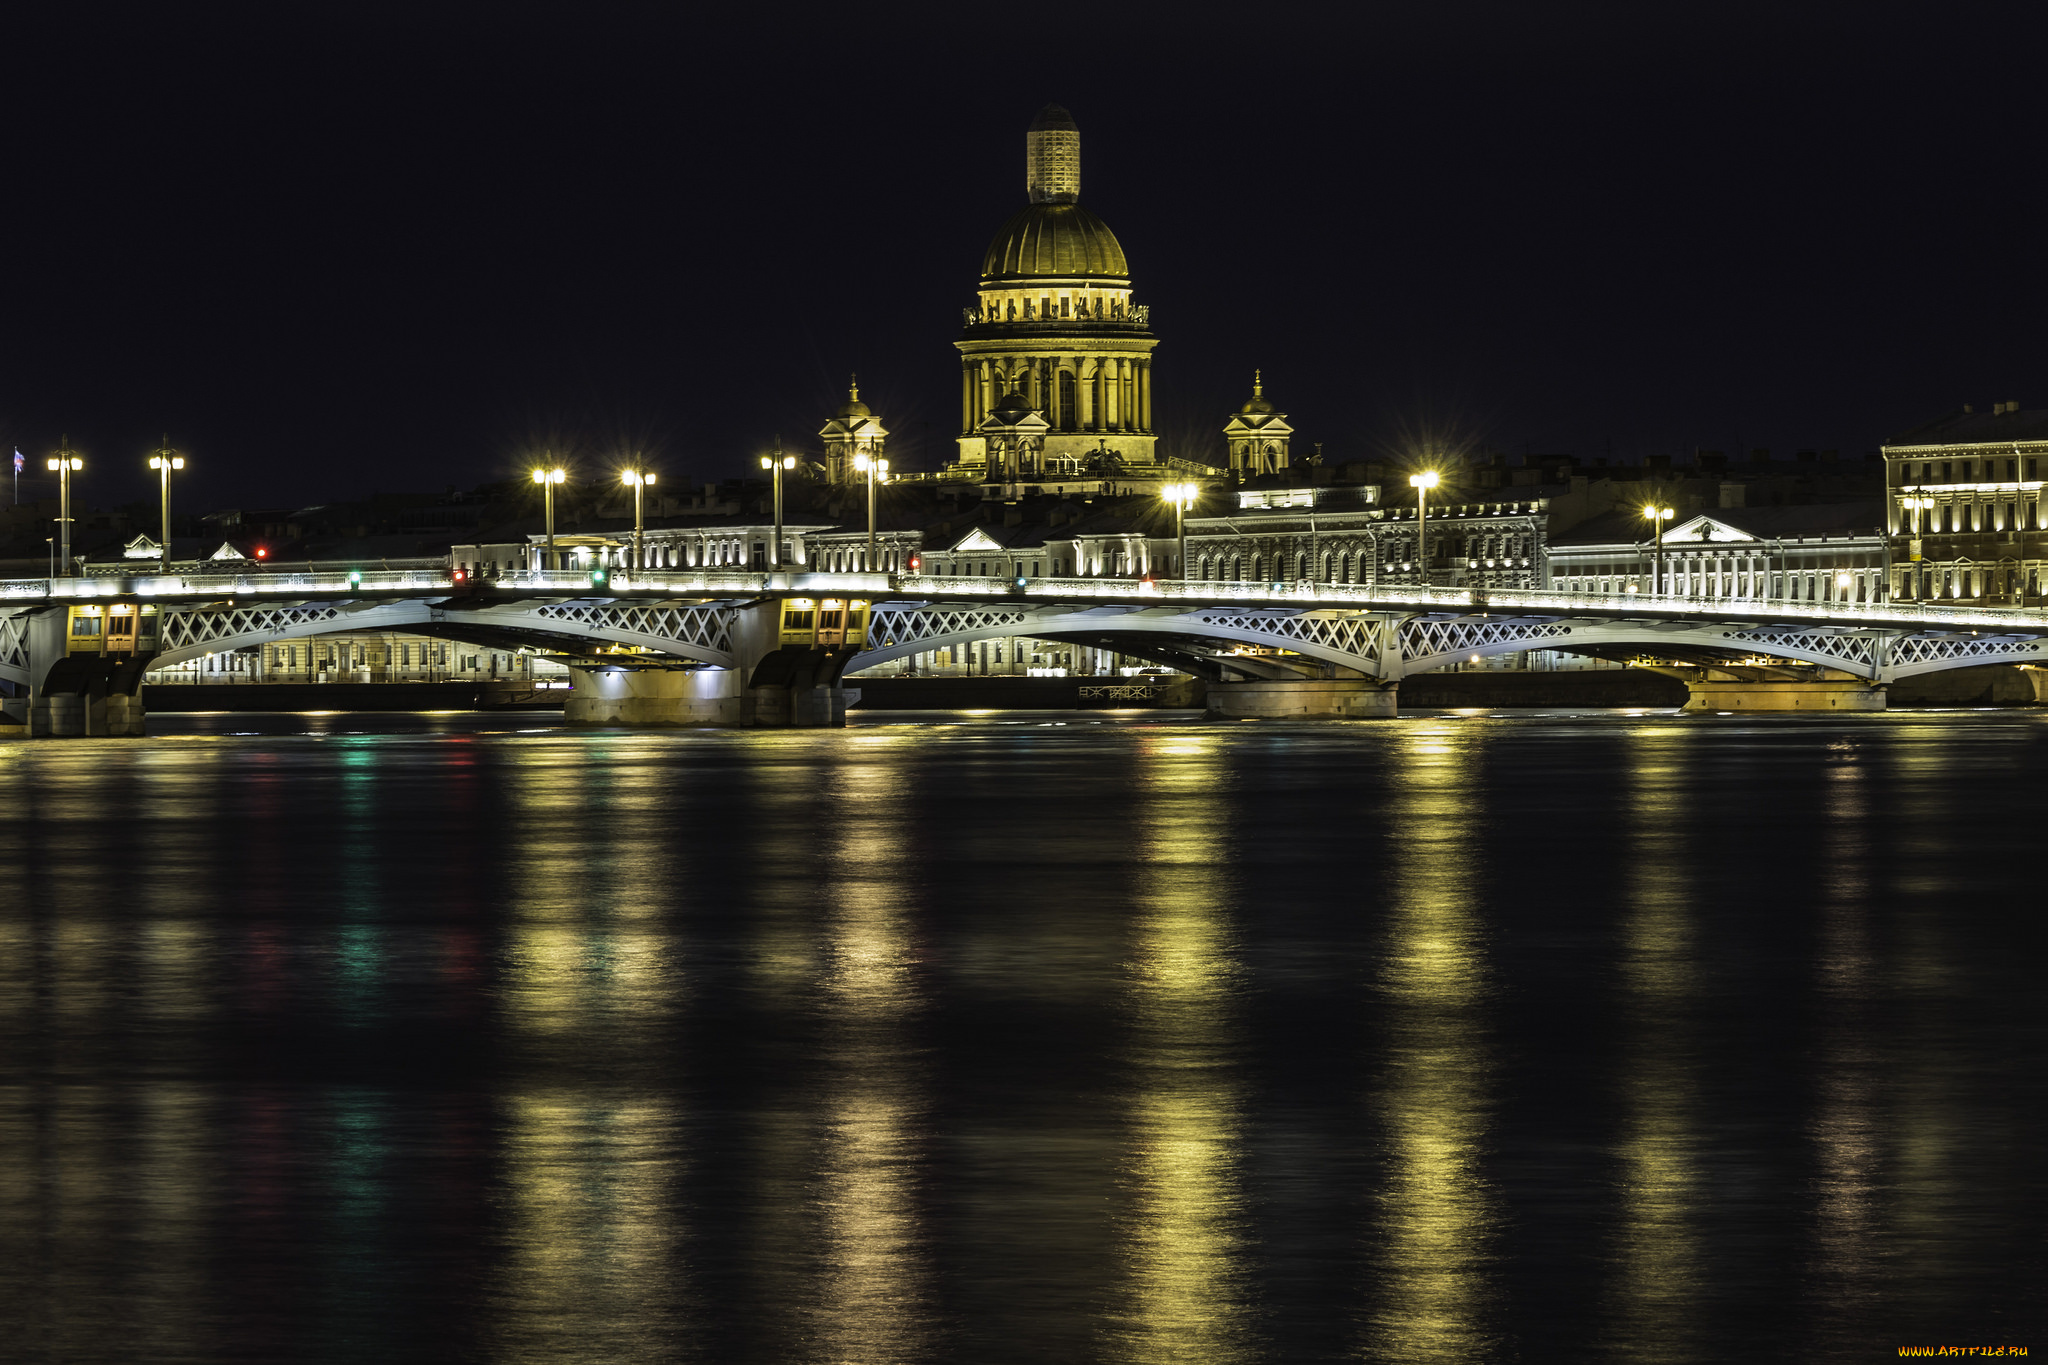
1966,507
1828,552
722,542
1341,534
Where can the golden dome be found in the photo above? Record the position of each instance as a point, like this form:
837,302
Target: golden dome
1054,241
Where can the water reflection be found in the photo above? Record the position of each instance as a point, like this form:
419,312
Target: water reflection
873,1297
1657,1253
589,1269
1847,1125
1184,1243
1438,1215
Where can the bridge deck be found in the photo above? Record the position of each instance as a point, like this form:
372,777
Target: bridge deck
344,582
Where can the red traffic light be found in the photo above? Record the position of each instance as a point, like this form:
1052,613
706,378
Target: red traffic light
460,575
916,562
262,553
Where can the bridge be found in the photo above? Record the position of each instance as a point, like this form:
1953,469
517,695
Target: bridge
711,647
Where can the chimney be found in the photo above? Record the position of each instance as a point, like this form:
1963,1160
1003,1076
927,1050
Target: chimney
1735,495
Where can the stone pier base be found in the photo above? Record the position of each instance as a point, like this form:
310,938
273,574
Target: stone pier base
1831,694
1306,699
655,696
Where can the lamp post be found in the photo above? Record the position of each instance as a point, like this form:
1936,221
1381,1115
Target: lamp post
1182,496
547,479
639,480
66,464
1657,516
874,468
775,464
163,462
1917,511
1422,483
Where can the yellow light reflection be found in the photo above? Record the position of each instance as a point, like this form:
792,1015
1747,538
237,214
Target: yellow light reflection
1656,1256
1185,1246
1438,1215
873,1296
589,1270
1847,1127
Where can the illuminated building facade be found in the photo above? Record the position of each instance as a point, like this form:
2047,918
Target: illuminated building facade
1966,507
1828,552
1342,534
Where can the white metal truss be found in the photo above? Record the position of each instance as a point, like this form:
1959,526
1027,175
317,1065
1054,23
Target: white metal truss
1929,653
1427,637
14,646
909,625
700,627
187,630
1861,653
1364,638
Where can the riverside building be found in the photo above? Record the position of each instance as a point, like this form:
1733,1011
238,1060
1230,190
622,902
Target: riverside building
1966,507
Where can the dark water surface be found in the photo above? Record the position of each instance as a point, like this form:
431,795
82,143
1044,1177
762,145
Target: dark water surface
1024,1038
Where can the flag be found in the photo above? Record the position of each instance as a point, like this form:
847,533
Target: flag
19,462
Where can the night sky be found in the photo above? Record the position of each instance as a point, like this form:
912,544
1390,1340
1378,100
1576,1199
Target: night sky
337,249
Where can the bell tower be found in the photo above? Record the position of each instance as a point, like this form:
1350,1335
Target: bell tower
852,431
1257,435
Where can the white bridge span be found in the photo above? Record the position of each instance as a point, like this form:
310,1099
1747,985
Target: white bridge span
1218,630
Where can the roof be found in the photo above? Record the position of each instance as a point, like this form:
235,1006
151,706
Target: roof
1862,517
1054,241
1963,427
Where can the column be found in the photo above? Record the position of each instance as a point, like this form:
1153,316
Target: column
1145,395
1084,393
967,419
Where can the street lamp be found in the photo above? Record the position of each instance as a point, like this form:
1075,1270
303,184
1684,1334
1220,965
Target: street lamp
639,480
775,464
547,479
1182,496
874,469
1657,516
1422,483
65,463
163,462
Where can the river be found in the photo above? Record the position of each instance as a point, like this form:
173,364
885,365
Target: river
1024,1037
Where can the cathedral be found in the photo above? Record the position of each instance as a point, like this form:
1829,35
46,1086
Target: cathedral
1055,354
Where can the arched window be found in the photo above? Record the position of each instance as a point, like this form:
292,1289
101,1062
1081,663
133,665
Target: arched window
1301,565
1329,568
1258,568
1237,568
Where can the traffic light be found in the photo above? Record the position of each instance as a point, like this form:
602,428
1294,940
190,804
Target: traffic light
597,576
355,578
916,563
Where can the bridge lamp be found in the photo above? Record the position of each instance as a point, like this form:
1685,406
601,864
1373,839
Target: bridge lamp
547,479
639,481
775,464
1182,496
163,462
1657,516
1422,483
874,469
65,464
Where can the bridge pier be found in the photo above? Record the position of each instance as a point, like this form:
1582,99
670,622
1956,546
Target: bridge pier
1304,699
1783,694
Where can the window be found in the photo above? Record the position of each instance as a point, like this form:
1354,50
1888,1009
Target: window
85,625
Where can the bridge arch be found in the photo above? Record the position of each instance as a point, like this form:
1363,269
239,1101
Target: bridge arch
686,630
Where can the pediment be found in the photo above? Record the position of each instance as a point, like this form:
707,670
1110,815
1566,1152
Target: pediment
977,541
1705,528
